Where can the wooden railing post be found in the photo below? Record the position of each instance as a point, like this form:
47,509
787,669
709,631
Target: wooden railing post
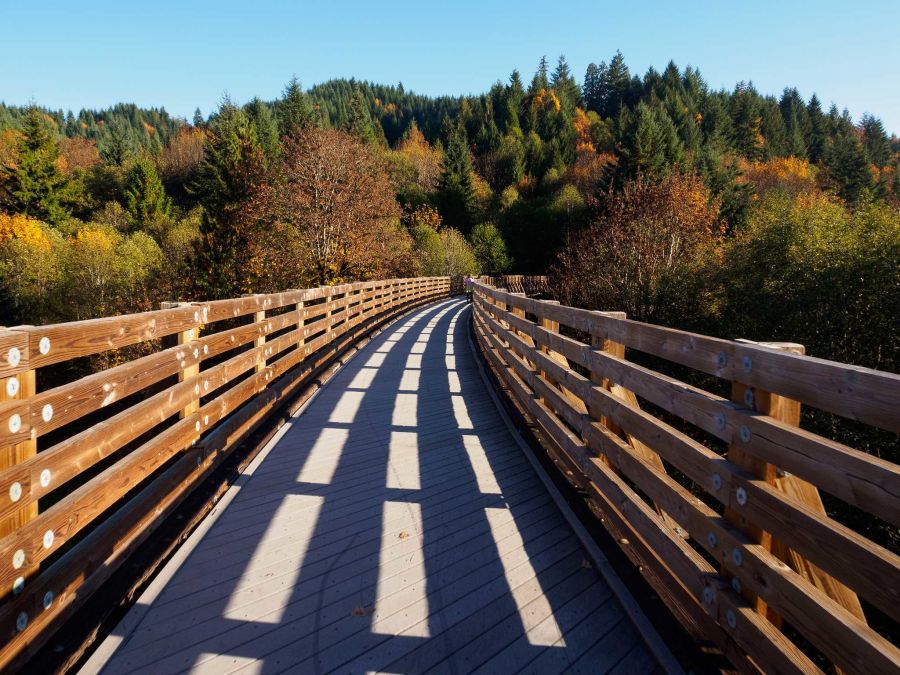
184,338
787,411
602,342
17,387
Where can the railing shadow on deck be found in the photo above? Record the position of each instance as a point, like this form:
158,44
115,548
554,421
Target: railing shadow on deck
393,478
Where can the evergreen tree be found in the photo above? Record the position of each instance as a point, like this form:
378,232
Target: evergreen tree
30,182
796,122
876,141
198,118
848,168
746,118
817,135
359,122
565,86
145,197
456,193
118,143
615,87
260,116
652,146
591,88
294,110
541,79
224,182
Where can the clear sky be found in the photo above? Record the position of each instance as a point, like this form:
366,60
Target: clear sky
188,54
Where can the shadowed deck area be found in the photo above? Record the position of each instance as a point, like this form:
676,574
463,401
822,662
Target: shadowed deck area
393,526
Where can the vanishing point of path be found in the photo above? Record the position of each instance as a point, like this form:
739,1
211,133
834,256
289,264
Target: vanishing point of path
394,525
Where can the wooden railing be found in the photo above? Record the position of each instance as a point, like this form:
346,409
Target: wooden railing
716,498
88,468
519,283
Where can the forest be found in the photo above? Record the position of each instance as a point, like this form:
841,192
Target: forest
731,213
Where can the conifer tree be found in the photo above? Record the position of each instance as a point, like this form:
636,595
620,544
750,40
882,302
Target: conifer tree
145,197
294,110
817,136
541,79
565,86
359,122
224,183
30,181
590,90
198,118
875,140
118,142
263,122
848,167
615,86
456,193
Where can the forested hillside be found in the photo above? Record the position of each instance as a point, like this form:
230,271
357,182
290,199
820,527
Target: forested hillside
730,212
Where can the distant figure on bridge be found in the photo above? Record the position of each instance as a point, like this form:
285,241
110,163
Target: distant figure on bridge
470,286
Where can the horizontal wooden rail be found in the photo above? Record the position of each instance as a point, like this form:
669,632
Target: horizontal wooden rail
119,449
754,510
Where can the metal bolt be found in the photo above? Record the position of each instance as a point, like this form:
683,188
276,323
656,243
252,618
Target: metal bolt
18,559
747,363
48,538
723,359
745,433
196,316
45,477
709,595
18,585
738,557
15,424
21,621
47,413
12,387
712,539
716,481
197,425
15,491
44,345
741,495
48,599
736,585
731,618
748,398
14,356
720,420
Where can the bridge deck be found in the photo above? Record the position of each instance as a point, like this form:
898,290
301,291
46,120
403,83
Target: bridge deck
393,526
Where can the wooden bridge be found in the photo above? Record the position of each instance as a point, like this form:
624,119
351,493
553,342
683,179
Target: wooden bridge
342,479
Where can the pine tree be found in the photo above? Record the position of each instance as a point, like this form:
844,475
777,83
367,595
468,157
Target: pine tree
565,86
746,118
615,87
456,193
118,142
817,136
260,116
541,79
31,183
224,182
359,122
796,122
848,168
651,146
591,89
198,118
294,110
145,197
876,141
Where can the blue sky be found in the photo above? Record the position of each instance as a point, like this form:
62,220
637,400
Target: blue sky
188,54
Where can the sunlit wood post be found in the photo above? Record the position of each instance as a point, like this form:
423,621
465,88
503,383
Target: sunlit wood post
18,385
784,410
184,338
